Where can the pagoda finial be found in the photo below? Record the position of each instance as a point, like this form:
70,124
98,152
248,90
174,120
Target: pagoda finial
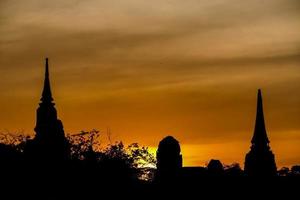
47,95
260,133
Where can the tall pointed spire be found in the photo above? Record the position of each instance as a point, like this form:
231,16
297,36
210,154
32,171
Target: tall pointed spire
49,143
260,161
260,133
47,95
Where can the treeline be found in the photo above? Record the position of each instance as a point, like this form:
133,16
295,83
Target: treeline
134,161
86,151
116,170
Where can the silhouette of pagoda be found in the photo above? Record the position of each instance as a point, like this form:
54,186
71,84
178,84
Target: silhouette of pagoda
49,142
260,161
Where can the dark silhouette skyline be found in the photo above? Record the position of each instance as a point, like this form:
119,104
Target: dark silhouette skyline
56,164
51,144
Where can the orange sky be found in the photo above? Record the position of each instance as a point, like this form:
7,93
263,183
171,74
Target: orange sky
148,69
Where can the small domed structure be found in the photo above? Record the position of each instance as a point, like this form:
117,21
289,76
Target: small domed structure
169,158
215,167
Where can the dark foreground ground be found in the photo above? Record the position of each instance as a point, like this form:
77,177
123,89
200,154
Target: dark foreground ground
35,182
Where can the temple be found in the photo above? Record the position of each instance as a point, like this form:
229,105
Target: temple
49,142
260,161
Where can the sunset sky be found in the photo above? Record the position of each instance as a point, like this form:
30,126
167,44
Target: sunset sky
148,69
